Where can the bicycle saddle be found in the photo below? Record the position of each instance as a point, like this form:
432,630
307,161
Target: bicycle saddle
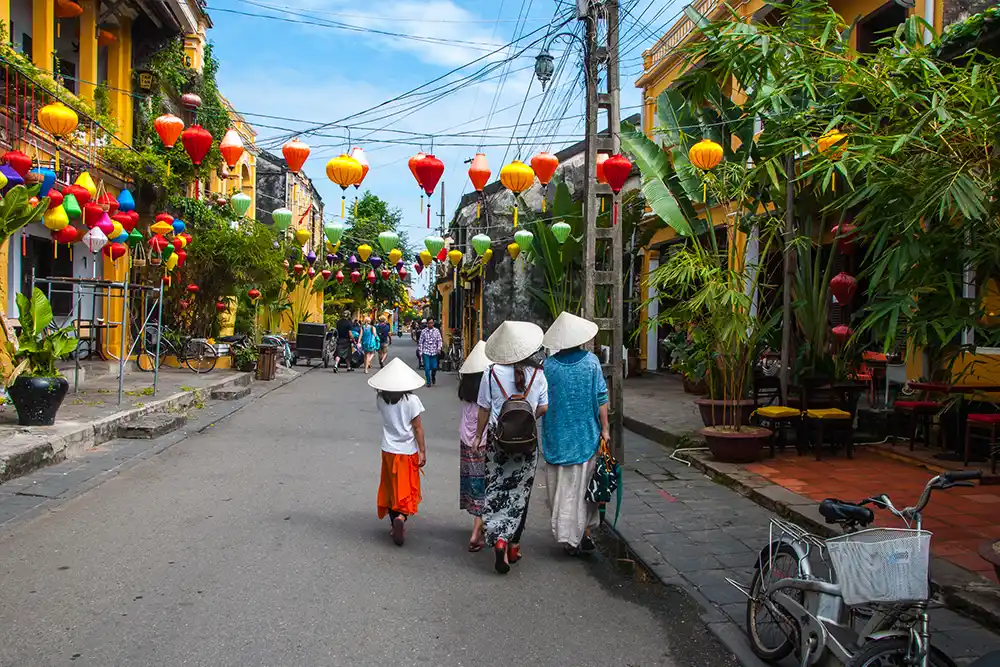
839,511
988,660
231,339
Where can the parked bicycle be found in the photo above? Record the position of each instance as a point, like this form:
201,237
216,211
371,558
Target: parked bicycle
865,604
285,356
197,354
455,350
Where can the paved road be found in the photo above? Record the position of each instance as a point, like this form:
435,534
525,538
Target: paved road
256,543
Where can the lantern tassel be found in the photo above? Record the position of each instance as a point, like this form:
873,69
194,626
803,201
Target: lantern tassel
70,253
421,203
24,244
614,218
515,216
478,209
602,204
55,250
168,167
704,192
343,203
355,206
543,203
428,213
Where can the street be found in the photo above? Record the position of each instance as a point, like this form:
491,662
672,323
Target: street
256,543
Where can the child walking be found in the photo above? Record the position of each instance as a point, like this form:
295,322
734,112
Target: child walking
472,460
403,453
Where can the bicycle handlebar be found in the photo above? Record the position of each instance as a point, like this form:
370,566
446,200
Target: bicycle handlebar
945,480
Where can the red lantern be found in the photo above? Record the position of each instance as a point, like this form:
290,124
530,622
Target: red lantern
183,304
115,250
254,294
429,171
311,272
402,273
544,165
326,273
296,153
601,159
197,142
442,255
192,289
419,267
81,193
110,202
65,235
181,257
386,273
616,171
125,220
157,243
412,163
169,127
165,217
355,276
371,276
842,287
846,233
92,213
221,306
133,219
187,239
166,279
18,161
339,277
55,199
842,332
298,268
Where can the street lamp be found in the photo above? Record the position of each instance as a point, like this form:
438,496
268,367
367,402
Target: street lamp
544,67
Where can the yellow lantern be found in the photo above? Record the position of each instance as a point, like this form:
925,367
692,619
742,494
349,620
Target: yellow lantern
161,228
455,257
56,218
426,257
345,171
364,252
517,177
395,255
830,138
180,242
706,155
58,120
302,236
488,255
86,181
514,250
170,263
116,229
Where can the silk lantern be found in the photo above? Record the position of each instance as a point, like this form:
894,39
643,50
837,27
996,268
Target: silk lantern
339,277
282,218
513,249
617,169
56,219
352,262
419,267
178,226
517,177
333,231
311,272
375,261
18,161
9,178
388,240
426,257
358,154
842,332
344,171
479,174
544,165
488,255
601,159
386,274
92,214
58,120
171,262
134,238
412,164
561,231
395,256
115,251
326,273
231,147
298,269
169,128
845,233
355,276
86,181
197,142
126,202
364,252
842,287
48,179
401,273
371,276
106,225
302,236
524,239
837,141
310,258
296,153
192,289
240,203
480,243
705,155
108,203
455,257
181,255
429,170
434,244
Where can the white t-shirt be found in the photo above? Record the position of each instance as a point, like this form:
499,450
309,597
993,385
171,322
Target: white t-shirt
492,398
397,431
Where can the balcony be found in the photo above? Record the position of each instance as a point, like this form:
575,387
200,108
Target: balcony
666,46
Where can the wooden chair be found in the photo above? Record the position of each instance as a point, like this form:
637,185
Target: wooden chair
987,423
835,422
916,413
780,418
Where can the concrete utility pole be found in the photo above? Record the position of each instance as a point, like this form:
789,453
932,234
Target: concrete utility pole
598,273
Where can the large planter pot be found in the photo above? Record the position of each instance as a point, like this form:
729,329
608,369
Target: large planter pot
715,412
37,399
731,446
989,550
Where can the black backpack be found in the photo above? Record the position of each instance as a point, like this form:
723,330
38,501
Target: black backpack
516,432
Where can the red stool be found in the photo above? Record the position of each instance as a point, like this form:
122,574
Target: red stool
920,412
983,422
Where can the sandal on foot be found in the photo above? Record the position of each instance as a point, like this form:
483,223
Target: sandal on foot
587,543
514,553
398,531
500,554
476,546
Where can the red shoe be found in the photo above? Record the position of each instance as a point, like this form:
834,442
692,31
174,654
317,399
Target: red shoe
500,554
514,553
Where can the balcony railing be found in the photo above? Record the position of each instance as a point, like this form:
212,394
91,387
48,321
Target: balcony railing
678,32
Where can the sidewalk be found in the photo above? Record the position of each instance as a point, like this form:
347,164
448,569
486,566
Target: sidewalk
692,532
657,408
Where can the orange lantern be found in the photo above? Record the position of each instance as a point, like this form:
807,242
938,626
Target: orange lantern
479,174
412,164
231,147
544,165
296,153
517,177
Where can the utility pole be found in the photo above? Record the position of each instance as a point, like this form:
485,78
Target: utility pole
599,243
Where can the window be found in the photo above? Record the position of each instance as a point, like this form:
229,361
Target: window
878,25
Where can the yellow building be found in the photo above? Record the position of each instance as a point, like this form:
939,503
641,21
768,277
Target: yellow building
663,63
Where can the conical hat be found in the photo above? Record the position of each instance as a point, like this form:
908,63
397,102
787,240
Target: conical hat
514,341
396,376
477,362
569,331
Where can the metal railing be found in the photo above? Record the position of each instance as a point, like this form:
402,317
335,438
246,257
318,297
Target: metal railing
678,32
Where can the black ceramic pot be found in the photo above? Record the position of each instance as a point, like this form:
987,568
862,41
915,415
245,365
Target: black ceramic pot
37,399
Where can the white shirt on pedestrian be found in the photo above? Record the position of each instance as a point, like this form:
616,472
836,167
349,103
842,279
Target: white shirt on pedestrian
397,428
491,398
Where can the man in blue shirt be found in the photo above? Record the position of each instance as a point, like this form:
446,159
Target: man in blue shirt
384,332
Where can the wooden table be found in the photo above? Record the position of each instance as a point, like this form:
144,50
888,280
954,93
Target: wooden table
962,390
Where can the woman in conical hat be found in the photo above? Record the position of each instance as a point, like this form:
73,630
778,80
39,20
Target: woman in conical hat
472,461
403,452
575,424
509,477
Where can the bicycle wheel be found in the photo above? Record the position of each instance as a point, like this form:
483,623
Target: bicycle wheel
771,631
199,356
146,359
891,652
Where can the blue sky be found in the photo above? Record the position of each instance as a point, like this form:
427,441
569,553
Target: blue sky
287,67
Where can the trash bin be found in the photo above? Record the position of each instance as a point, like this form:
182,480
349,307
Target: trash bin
267,361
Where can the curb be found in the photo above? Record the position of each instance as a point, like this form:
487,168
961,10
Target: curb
62,441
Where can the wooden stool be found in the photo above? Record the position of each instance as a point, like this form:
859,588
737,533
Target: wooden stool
780,418
984,422
920,412
840,422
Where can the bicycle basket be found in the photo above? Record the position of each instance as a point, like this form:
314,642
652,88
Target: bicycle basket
882,565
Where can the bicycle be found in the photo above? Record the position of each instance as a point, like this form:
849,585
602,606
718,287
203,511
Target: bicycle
878,579
285,356
195,353
455,350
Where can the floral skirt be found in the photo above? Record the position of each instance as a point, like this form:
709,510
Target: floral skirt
508,489
472,478
399,488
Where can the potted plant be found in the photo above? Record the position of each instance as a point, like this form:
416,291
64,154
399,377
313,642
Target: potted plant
244,357
35,386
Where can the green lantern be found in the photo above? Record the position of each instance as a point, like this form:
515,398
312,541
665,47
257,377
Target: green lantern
434,244
240,203
524,238
168,251
480,243
282,218
134,237
72,206
561,231
334,231
388,240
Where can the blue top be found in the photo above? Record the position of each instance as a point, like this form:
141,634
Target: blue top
571,429
369,339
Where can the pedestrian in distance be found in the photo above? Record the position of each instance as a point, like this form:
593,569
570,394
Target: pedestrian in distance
430,347
472,454
369,342
573,428
385,340
513,394
403,452
345,348
420,330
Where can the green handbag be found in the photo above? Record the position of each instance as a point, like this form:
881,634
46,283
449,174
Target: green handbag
606,481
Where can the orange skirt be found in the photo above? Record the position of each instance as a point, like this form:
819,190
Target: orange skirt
399,489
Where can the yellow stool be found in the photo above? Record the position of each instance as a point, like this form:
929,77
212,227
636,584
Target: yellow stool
779,416
838,418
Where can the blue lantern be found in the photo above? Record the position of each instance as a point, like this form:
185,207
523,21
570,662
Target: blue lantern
126,202
48,179
179,226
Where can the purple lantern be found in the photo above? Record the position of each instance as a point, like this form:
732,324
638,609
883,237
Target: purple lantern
400,264
13,178
375,261
329,257
352,263
311,258
337,257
